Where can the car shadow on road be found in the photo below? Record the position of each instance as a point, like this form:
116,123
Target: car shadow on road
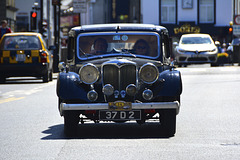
108,131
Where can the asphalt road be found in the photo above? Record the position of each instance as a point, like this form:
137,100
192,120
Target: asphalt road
208,125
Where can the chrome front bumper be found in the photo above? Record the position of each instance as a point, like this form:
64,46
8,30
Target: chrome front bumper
104,106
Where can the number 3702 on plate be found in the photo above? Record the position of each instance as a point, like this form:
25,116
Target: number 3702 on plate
120,115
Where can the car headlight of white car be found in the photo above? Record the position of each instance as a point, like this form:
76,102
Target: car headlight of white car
180,50
213,50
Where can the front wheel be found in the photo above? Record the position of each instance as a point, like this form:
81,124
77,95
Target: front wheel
168,121
71,121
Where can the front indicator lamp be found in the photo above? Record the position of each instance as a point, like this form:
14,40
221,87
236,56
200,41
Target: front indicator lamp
147,94
92,95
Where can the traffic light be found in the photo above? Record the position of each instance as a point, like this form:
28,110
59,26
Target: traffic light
230,30
33,20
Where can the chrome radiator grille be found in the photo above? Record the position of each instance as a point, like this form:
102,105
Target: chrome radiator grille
119,77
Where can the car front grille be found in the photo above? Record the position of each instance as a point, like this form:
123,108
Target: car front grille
198,59
119,76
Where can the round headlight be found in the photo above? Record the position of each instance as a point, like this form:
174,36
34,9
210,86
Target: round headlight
89,73
149,73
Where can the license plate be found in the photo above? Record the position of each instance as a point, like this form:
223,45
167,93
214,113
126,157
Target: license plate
120,115
21,57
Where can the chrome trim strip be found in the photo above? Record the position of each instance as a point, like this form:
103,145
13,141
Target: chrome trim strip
104,106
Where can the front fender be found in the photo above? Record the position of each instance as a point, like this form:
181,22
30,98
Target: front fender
171,85
69,89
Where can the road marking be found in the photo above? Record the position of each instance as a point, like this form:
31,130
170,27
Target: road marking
11,99
225,69
26,92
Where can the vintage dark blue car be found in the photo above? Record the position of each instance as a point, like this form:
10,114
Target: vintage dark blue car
119,73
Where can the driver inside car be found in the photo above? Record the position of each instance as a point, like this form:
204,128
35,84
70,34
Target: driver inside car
100,46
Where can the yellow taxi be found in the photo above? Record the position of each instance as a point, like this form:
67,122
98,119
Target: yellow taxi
25,54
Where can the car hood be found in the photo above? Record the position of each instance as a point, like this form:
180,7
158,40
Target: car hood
197,47
123,60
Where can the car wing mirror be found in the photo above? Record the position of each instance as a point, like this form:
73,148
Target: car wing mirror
175,43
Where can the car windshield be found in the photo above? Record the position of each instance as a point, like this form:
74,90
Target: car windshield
196,40
21,43
137,44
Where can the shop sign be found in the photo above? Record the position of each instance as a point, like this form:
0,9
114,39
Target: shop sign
69,21
236,30
79,6
186,28
55,2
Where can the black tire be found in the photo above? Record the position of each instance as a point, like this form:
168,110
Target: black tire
2,79
71,121
214,64
168,122
45,78
50,75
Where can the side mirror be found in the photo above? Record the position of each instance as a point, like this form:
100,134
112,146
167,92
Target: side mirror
175,43
52,47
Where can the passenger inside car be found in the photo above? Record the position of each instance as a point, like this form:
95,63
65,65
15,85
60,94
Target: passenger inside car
141,47
11,45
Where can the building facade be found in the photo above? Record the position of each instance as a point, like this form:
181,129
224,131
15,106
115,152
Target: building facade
191,16
8,12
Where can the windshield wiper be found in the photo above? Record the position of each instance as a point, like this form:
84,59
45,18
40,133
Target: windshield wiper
83,52
129,51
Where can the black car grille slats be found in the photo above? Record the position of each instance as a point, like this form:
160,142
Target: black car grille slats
127,76
119,77
110,75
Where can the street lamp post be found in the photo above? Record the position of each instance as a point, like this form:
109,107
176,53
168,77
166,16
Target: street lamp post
56,6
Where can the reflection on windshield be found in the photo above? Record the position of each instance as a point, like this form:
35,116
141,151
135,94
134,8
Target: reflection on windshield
196,40
21,42
137,44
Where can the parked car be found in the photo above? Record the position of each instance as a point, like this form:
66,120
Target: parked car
195,49
235,42
24,54
234,50
119,73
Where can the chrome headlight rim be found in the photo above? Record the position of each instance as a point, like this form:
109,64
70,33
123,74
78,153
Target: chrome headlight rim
156,70
96,71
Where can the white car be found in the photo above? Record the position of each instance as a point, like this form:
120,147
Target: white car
195,49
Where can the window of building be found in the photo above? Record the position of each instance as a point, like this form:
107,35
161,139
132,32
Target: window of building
206,11
168,11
